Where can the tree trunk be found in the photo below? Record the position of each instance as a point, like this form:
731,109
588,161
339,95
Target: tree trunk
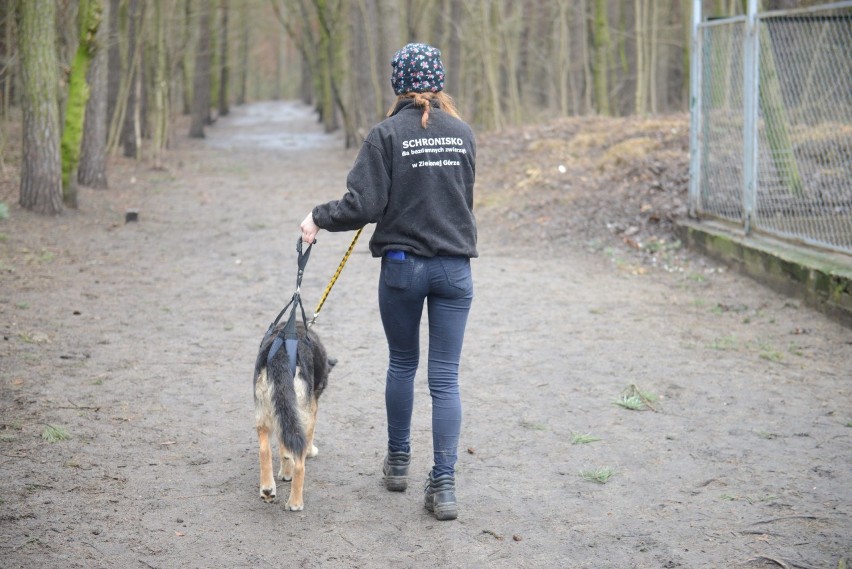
371,87
7,57
183,69
588,80
453,60
562,58
134,51
601,68
325,61
511,23
92,168
641,64
653,62
244,50
279,63
113,73
201,84
223,62
41,166
492,114
89,16
160,111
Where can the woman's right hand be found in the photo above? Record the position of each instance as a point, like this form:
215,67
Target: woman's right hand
309,229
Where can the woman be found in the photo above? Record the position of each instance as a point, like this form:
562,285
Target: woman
414,178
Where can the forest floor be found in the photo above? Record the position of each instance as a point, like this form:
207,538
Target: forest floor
134,343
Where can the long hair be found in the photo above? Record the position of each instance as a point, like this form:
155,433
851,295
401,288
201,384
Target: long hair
424,100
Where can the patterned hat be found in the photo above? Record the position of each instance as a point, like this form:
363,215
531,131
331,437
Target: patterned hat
417,68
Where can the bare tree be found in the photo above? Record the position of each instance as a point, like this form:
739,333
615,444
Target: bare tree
601,54
224,69
160,110
92,168
41,166
243,65
7,56
89,16
201,83
113,73
131,129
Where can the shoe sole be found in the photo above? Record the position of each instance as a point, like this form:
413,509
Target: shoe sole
396,483
446,512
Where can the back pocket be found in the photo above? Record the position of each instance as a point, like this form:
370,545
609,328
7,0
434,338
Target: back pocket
397,273
457,270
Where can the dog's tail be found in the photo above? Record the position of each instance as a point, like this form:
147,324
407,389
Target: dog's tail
285,401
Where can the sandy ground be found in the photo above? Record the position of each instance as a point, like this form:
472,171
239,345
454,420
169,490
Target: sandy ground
138,340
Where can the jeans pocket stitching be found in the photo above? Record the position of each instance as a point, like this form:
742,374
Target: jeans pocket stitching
397,274
459,279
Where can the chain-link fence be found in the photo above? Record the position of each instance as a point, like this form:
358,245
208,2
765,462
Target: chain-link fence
772,123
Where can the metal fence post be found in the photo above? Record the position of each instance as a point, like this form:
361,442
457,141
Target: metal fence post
695,112
751,58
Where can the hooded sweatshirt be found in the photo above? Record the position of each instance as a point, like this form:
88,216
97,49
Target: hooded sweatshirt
416,184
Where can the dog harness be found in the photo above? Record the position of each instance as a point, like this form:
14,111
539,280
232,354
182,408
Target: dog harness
287,336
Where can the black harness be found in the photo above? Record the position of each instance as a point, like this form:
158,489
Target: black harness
287,336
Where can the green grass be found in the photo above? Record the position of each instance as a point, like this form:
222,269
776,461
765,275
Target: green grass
631,402
4,211
600,475
635,399
771,355
724,343
657,246
580,439
54,434
795,349
26,338
44,257
534,426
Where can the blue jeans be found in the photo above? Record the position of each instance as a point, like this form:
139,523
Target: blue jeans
445,283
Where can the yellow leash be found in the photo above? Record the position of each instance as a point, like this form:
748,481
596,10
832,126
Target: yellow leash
334,278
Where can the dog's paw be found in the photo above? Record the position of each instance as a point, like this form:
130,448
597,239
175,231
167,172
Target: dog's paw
313,452
268,494
285,469
294,507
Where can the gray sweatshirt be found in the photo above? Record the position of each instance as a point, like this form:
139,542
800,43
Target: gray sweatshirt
416,184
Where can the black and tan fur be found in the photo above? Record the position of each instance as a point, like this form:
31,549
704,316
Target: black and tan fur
286,407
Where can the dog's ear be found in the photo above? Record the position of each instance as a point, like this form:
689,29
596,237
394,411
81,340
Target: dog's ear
332,362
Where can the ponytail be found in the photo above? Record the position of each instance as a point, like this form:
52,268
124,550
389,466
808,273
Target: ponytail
424,100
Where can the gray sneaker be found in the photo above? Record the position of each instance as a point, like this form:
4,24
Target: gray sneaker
440,497
395,470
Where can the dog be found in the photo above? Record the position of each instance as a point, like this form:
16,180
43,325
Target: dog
285,406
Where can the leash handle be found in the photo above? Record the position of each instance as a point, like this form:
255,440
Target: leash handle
336,275
302,261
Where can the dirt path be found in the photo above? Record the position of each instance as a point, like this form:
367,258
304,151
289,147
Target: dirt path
139,339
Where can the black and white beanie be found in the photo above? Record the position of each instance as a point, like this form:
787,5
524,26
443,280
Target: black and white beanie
417,68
